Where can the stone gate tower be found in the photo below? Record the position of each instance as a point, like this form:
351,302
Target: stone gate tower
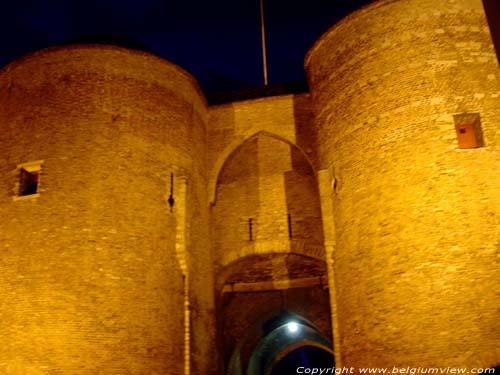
397,87
144,231
94,268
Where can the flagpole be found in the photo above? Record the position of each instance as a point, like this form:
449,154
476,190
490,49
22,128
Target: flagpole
263,36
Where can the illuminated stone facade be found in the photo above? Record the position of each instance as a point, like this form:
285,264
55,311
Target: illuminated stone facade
162,228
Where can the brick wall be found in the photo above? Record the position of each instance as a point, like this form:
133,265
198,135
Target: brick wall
287,117
98,275
416,218
90,279
264,181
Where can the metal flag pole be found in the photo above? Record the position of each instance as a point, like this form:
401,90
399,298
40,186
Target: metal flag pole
263,36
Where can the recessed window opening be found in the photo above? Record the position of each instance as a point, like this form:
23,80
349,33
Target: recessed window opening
468,129
28,184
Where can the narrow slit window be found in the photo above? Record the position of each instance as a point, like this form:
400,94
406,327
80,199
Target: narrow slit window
290,235
250,229
171,200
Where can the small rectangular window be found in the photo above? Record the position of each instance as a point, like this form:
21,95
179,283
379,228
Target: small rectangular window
28,184
468,129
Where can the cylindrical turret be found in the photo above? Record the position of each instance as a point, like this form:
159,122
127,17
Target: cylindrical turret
397,85
93,266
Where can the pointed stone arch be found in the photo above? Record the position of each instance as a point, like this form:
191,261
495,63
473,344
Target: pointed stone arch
235,145
266,231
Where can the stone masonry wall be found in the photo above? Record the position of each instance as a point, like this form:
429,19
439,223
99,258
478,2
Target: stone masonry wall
417,219
281,123
91,281
264,181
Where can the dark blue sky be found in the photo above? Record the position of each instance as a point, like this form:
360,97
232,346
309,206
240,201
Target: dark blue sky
217,41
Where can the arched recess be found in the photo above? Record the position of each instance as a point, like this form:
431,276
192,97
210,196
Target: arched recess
233,147
258,288
268,238
267,200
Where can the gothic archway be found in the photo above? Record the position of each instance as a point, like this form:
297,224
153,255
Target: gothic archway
281,340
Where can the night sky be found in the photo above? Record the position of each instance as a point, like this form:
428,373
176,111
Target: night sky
217,41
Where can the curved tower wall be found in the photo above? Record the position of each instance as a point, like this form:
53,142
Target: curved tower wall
416,218
92,270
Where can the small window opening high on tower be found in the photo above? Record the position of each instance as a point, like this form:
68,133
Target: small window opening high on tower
468,129
28,184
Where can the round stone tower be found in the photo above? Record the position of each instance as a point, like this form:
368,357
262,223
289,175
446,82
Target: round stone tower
407,99
94,268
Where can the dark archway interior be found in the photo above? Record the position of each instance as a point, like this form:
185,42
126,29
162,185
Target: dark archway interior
305,356
239,310
264,345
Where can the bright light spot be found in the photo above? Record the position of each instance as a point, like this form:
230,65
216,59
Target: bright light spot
293,327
